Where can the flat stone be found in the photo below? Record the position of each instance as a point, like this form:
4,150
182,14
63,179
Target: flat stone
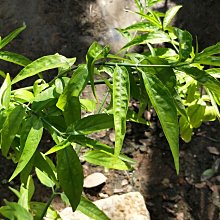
129,206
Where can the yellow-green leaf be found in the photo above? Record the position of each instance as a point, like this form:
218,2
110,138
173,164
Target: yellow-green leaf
121,96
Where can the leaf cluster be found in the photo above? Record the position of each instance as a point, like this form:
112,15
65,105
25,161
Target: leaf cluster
170,76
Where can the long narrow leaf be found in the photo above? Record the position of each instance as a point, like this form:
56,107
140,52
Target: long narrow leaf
204,78
165,108
42,64
208,60
105,159
212,50
5,92
91,210
75,86
97,145
11,36
91,123
11,127
31,144
185,43
170,14
13,210
152,37
70,175
121,96
14,58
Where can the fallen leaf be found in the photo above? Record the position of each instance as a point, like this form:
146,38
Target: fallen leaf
213,150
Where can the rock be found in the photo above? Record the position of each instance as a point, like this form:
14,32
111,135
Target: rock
94,180
112,137
124,182
213,150
130,206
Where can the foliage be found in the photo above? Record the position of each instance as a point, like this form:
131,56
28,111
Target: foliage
172,77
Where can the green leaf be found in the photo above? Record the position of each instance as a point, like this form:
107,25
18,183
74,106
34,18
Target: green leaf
44,164
26,193
165,108
97,145
44,179
5,92
210,114
40,65
72,111
44,99
91,210
91,123
157,37
185,129
70,175
14,58
142,26
75,86
185,43
150,18
203,78
11,36
215,72
196,111
14,211
105,159
2,74
11,127
170,14
88,104
37,208
23,95
121,96
212,50
31,144
95,52
58,147
208,60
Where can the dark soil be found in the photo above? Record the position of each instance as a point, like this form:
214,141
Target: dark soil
69,27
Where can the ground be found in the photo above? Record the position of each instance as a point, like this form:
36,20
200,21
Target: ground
69,27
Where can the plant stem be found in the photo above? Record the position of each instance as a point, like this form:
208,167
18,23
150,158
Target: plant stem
47,205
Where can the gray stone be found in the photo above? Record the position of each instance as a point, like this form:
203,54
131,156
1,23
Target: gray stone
130,206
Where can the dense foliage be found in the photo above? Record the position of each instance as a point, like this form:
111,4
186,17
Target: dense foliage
171,75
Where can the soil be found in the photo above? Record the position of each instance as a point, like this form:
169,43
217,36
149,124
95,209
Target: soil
69,27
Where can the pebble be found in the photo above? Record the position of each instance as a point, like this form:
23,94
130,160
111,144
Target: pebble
112,137
94,179
124,182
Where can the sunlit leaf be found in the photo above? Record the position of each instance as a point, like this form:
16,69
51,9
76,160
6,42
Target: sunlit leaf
185,43
170,14
11,36
165,108
121,96
105,159
153,38
5,92
44,179
14,58
11,127
13,210
40,65
203,78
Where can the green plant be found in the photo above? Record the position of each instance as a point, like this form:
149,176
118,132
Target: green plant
173,79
